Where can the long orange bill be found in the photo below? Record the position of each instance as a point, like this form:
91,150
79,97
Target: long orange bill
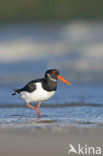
62,79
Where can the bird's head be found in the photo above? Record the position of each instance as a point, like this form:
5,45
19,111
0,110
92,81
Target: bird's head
54,75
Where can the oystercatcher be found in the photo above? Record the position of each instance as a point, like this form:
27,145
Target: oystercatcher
41,89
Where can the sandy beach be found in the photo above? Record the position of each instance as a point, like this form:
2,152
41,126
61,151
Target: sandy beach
47,141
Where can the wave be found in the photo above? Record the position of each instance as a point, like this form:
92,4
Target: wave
54,105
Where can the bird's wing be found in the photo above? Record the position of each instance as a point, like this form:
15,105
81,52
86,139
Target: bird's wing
30,87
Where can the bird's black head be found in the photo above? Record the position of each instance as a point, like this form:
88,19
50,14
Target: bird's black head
52,74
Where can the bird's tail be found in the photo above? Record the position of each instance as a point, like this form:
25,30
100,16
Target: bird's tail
15,91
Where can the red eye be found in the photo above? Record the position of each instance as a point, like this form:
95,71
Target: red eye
54,72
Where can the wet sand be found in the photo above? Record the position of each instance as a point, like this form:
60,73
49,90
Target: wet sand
47,141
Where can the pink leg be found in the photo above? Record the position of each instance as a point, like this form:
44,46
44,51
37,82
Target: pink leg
38,107
35,108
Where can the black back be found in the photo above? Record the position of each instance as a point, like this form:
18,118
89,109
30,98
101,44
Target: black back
30,87
46,84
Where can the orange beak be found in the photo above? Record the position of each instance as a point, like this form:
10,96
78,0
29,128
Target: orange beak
62,79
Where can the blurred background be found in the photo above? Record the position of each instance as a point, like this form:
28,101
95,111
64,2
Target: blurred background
36,35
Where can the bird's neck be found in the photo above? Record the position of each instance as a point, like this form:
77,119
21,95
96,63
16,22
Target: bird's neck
49,84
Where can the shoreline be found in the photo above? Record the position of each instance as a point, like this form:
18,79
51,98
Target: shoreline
47,141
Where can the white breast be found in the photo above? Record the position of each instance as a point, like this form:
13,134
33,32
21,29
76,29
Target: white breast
37,95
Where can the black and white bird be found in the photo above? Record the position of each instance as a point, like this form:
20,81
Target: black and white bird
41,89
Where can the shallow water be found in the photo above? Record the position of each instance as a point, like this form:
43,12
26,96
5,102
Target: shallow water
79,104
76,50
